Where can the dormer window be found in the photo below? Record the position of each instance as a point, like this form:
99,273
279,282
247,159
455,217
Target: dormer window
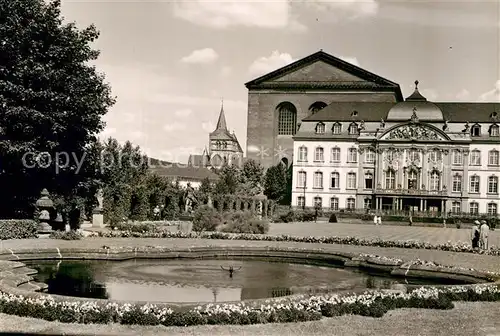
337,128
494,130
475,131
320,128
354,114
353,129
494,116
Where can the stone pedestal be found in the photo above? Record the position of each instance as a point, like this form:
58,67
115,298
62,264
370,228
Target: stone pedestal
97,213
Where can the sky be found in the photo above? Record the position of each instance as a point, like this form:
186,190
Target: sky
170,63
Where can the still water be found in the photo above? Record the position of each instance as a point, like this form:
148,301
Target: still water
190,281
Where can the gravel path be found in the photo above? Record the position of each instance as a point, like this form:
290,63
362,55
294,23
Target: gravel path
435,235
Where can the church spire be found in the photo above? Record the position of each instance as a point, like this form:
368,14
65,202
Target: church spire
221,123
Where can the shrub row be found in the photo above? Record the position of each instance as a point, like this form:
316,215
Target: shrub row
374,304
69,235
206,218
17,229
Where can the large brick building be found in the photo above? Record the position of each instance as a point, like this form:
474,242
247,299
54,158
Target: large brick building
278,101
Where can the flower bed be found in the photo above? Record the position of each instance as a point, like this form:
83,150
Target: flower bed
411,244
374,304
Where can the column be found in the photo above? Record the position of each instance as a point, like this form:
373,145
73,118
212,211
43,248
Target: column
265,205
421,204
361,161
376,203
425,205
465,179
424,178
380,168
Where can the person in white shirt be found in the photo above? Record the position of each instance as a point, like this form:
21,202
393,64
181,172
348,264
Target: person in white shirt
483,235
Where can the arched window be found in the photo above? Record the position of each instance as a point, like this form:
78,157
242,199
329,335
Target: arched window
457,157
390,179
351,181
337,128
474,208
475,130
351,203
216,161
456,207
334,180
315,107
368,180
318,202
493,158
370,156
494,130
493,185
335,155
353,129
352,155
434,181
319,154
475,158
320,128
287,118
492,209
413,179
367,203
302,154
457,183
301,179
318,180
474,184
334,203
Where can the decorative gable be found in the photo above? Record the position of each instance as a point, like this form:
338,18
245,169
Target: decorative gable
414,132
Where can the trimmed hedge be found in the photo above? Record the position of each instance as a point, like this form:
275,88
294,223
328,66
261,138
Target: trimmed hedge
374,304
18,229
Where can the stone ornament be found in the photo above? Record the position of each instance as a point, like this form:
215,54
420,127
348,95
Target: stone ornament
413,132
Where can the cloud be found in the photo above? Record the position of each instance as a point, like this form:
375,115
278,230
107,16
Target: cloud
264,65
352,60
430,94
463,95
492,95
208,126
175,126
222,14
350,9
201,56
183,112
226,71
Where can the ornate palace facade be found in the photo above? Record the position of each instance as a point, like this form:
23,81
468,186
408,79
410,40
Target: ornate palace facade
413,154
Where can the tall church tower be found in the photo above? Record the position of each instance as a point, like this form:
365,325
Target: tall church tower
223,145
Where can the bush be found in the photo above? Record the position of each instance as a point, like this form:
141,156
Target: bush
17,229
206,218
333,218
244,222
70,235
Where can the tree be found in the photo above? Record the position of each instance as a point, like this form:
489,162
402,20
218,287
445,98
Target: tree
275,182
229,180
251,178
51,105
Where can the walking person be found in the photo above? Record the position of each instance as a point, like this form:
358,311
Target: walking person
483,234
375,219
410,220
475,235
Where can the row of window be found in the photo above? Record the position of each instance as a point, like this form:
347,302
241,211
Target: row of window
413,155
456,206
412,179
493,130
353,129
